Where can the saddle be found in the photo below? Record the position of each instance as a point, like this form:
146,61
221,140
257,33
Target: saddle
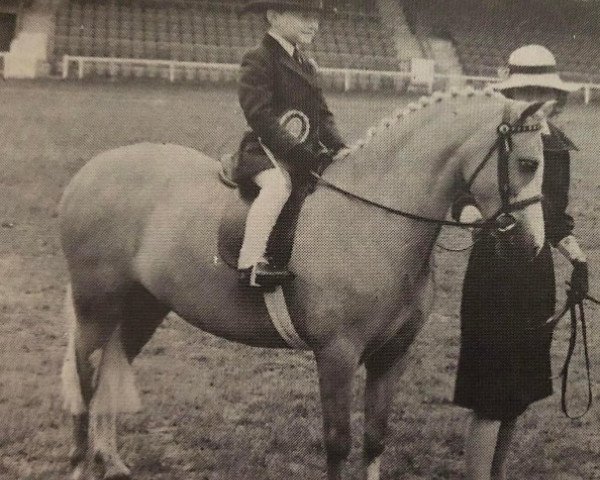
233,221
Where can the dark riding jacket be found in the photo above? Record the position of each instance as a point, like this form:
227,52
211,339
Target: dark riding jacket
272,83
555,186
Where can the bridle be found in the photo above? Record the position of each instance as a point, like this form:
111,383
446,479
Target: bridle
503,220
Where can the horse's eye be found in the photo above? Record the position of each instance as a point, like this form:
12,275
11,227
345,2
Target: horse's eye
528,165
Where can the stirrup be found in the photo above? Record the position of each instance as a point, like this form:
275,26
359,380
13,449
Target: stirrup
262,274
267,275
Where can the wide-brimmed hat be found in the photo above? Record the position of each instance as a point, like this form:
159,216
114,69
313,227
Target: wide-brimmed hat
533,66
299,5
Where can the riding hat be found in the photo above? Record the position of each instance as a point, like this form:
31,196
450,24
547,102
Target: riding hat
298,5
533,66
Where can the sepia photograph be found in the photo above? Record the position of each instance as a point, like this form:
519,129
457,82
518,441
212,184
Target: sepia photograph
299,239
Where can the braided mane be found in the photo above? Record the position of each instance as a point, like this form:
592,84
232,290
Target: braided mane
423,102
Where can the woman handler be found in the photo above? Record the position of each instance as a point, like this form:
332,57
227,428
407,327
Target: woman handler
504,363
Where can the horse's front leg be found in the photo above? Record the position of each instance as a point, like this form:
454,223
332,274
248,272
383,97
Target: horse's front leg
383,369
336,365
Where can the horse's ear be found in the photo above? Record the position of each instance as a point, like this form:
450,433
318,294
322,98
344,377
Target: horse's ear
546,109
538,110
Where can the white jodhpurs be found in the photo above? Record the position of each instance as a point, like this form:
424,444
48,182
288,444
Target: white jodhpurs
275,189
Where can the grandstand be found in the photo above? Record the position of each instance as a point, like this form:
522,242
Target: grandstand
212,32
484,33
372,41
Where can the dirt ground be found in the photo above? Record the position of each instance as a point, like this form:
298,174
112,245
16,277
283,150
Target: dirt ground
216,410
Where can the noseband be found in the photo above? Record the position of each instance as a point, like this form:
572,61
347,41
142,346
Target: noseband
504,221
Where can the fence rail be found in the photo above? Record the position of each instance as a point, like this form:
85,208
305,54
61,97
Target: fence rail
349,75
173,66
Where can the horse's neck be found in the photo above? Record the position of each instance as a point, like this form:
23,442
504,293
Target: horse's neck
412,165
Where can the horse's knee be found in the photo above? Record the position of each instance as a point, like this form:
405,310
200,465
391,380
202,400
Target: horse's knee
374,444
338,443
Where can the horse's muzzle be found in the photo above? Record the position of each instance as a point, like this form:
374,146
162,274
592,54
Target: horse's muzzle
516,244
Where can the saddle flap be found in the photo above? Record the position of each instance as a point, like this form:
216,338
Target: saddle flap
233,224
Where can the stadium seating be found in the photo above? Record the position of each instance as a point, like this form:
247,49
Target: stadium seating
209,31
485,33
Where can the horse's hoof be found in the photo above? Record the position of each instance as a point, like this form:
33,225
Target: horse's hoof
117,472
76,456
114,468
118,476
81,473
76,475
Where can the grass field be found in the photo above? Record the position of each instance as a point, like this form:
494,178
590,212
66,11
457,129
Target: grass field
216,410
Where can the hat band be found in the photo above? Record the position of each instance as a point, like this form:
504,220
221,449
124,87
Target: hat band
531,70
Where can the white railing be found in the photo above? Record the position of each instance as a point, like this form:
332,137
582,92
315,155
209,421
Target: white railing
349,75
173,66
587,91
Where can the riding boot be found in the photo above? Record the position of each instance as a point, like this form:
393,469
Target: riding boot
275,189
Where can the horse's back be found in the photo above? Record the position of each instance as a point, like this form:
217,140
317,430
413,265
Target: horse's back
106,207
141,166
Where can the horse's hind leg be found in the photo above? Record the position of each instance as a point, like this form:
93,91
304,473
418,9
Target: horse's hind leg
85,337
114,393
118,324
141,314
383,369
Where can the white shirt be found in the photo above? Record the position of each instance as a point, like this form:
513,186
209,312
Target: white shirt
287,46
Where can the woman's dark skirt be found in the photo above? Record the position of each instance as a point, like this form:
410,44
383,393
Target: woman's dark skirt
504,363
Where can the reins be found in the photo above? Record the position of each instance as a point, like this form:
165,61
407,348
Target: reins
451,223
395,211
503,144
575,308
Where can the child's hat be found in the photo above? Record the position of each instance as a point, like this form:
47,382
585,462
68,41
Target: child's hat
298,5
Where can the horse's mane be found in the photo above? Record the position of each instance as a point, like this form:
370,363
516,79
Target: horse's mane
425,101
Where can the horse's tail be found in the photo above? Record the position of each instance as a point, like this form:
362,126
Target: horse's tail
115,390
71,385
114,384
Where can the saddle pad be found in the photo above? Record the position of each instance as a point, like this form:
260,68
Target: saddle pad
233,223
231,235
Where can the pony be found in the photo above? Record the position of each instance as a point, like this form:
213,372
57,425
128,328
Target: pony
139,230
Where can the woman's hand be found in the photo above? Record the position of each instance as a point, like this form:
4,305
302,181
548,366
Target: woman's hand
470,214
579,281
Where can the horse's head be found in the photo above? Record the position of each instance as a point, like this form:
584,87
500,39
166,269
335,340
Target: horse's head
506,179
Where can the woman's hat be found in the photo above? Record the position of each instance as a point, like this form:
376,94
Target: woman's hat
299,5
533,66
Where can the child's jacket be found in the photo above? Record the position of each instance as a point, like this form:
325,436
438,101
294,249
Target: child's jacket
271,84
